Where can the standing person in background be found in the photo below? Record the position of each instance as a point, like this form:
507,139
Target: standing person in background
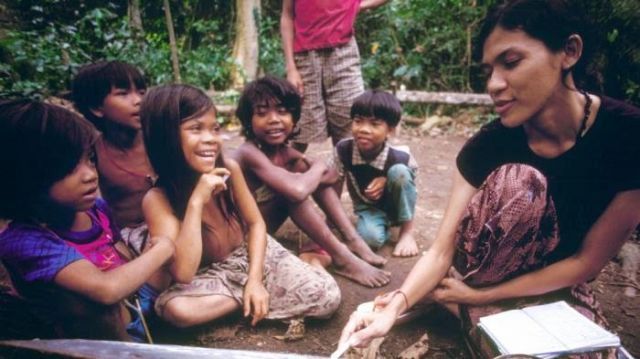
323,63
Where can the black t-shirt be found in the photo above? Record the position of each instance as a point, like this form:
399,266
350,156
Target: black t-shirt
582,180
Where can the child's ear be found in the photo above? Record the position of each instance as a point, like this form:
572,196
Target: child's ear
97,111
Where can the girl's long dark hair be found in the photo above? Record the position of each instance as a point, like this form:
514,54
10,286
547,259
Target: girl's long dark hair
163,110
40,144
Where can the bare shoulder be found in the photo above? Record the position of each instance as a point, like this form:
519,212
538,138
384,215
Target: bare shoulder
246,152
231,163
153,197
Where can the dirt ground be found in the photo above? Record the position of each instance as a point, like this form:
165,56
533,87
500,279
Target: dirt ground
435,156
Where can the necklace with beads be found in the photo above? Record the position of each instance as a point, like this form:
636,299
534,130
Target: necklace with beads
587,112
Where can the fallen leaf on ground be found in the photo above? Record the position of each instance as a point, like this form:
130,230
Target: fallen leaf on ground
370,352
294,332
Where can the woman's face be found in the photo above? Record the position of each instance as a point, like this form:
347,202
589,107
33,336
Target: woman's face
523,74
201,141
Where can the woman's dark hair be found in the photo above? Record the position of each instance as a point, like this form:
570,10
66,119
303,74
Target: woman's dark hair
40,144
94,82
549,21
378,104
268,90
163,110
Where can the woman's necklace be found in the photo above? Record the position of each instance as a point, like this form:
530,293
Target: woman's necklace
587,112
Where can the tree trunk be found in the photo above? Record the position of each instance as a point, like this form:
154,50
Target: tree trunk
245,47
135,19
204,10
172,42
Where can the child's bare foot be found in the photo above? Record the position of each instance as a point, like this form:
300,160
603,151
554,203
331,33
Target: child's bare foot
406,247
362,250
362,272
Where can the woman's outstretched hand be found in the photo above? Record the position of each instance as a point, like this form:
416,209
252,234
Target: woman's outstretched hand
362,328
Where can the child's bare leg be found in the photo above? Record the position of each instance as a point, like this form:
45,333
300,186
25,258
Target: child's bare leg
330,203
406,246
189,311
313,254
320,261
348,264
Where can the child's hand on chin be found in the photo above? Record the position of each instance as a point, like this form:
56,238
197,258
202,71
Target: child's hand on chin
210,183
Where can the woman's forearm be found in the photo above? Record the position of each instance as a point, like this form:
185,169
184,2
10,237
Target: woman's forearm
425,275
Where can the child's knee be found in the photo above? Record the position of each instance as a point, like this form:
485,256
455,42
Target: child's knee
400,175
178,313
514,177
373,234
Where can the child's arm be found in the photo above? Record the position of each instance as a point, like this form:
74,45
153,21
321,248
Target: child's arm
110,287
287,32
295,186
187,235
256,297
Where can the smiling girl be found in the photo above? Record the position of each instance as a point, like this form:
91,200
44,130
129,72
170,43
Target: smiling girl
224,259
543,197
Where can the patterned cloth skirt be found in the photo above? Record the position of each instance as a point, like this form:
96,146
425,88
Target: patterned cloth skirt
296,289
510,228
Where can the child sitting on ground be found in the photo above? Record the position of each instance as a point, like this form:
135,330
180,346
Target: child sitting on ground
224,259
282,179
380,178
60,248
109,94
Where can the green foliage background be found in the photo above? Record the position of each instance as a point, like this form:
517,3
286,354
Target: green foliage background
421,44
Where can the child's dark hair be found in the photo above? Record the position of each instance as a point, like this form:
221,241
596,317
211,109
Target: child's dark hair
94,82
40,144
549,21
378,104
268,90
163,110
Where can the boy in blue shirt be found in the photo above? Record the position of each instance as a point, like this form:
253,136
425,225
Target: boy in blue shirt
380,178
